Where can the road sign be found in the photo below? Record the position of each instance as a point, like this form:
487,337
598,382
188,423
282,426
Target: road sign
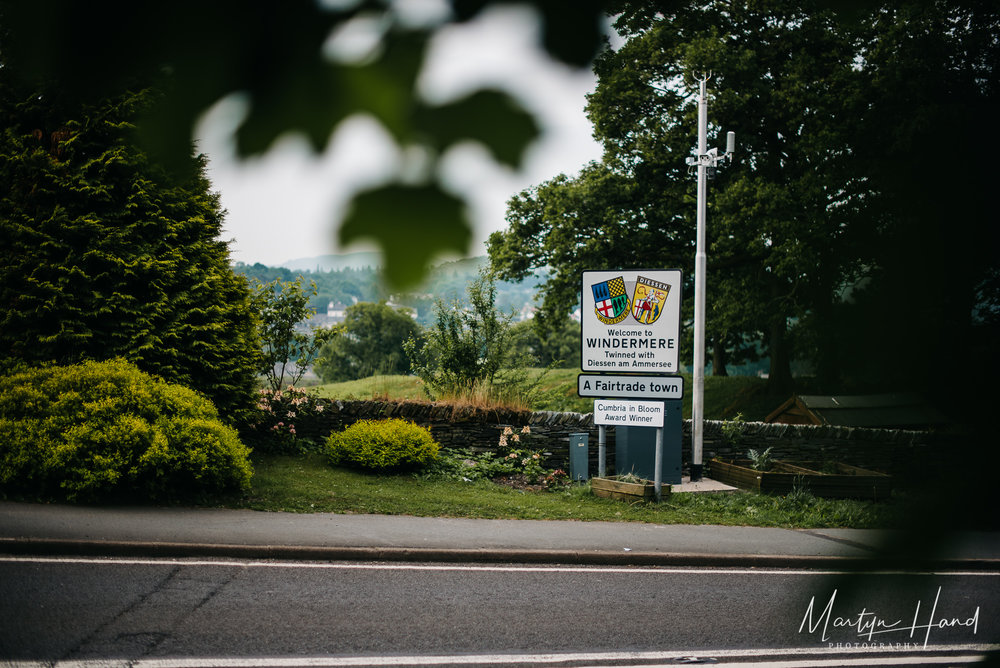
631,320
630,387
628,413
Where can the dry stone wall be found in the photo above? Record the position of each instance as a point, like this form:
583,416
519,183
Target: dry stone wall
893,451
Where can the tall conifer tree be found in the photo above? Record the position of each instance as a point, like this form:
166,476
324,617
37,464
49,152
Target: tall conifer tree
103,254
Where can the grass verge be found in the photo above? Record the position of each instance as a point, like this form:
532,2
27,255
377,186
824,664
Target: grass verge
307,484
724,396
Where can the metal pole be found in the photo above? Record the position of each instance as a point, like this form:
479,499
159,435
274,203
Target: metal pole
697,398
602,451
658,464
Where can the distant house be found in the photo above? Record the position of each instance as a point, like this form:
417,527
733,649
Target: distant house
878,411
336,312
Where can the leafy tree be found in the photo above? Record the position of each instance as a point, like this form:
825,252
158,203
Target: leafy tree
468,351
370,341
927,248
289,350
559,347
783,79
103,254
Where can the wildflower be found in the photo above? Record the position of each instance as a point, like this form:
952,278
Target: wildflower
512,455
319,408
526,429
291,414
507,431
517,439
535,456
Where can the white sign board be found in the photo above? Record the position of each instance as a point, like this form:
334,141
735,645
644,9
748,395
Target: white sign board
628,413
630,387
631,321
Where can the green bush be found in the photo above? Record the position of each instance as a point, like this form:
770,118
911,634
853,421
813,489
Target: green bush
106,431
382,445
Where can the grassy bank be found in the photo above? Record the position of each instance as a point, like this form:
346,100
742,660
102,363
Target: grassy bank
307,484
724,396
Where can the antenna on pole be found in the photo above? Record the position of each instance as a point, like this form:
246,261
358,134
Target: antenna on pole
705,160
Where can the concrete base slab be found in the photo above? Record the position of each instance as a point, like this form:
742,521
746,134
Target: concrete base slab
703,485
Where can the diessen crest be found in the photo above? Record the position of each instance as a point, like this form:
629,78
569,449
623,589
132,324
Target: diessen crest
611,302
648,300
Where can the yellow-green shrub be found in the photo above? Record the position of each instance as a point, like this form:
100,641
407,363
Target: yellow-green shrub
382,445
101,431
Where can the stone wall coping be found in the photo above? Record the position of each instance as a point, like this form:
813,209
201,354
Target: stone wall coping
445,411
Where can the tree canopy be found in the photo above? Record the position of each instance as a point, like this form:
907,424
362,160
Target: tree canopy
369,341
822,215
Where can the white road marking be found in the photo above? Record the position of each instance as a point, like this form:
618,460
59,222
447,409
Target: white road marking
631,570
764,658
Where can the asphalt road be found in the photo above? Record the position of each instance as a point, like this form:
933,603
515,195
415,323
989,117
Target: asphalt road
96,609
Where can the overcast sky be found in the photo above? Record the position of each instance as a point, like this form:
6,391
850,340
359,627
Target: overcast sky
287,205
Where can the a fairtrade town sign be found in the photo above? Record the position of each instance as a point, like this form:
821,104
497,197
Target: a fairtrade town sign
630,387
631,321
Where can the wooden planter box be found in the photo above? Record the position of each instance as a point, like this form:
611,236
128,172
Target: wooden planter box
609,488
849,482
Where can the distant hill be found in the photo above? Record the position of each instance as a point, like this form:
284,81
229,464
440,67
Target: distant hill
359,260
353,277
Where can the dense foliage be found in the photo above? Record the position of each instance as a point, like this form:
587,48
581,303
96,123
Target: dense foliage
382,445
842,196
469,351
369,341
340,286
105,431
103,254
556,347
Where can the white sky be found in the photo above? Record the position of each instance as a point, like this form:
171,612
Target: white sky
288,204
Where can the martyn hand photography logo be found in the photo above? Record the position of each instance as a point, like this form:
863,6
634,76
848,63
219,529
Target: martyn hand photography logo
867,628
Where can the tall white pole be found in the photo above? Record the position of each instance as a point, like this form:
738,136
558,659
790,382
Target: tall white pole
697,398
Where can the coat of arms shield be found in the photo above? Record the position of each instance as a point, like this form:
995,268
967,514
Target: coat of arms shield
611,302
648,300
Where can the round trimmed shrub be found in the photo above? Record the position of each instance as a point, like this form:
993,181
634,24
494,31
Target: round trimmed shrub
106,431
382,445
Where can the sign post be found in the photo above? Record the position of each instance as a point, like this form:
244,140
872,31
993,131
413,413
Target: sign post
636,414
631,324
